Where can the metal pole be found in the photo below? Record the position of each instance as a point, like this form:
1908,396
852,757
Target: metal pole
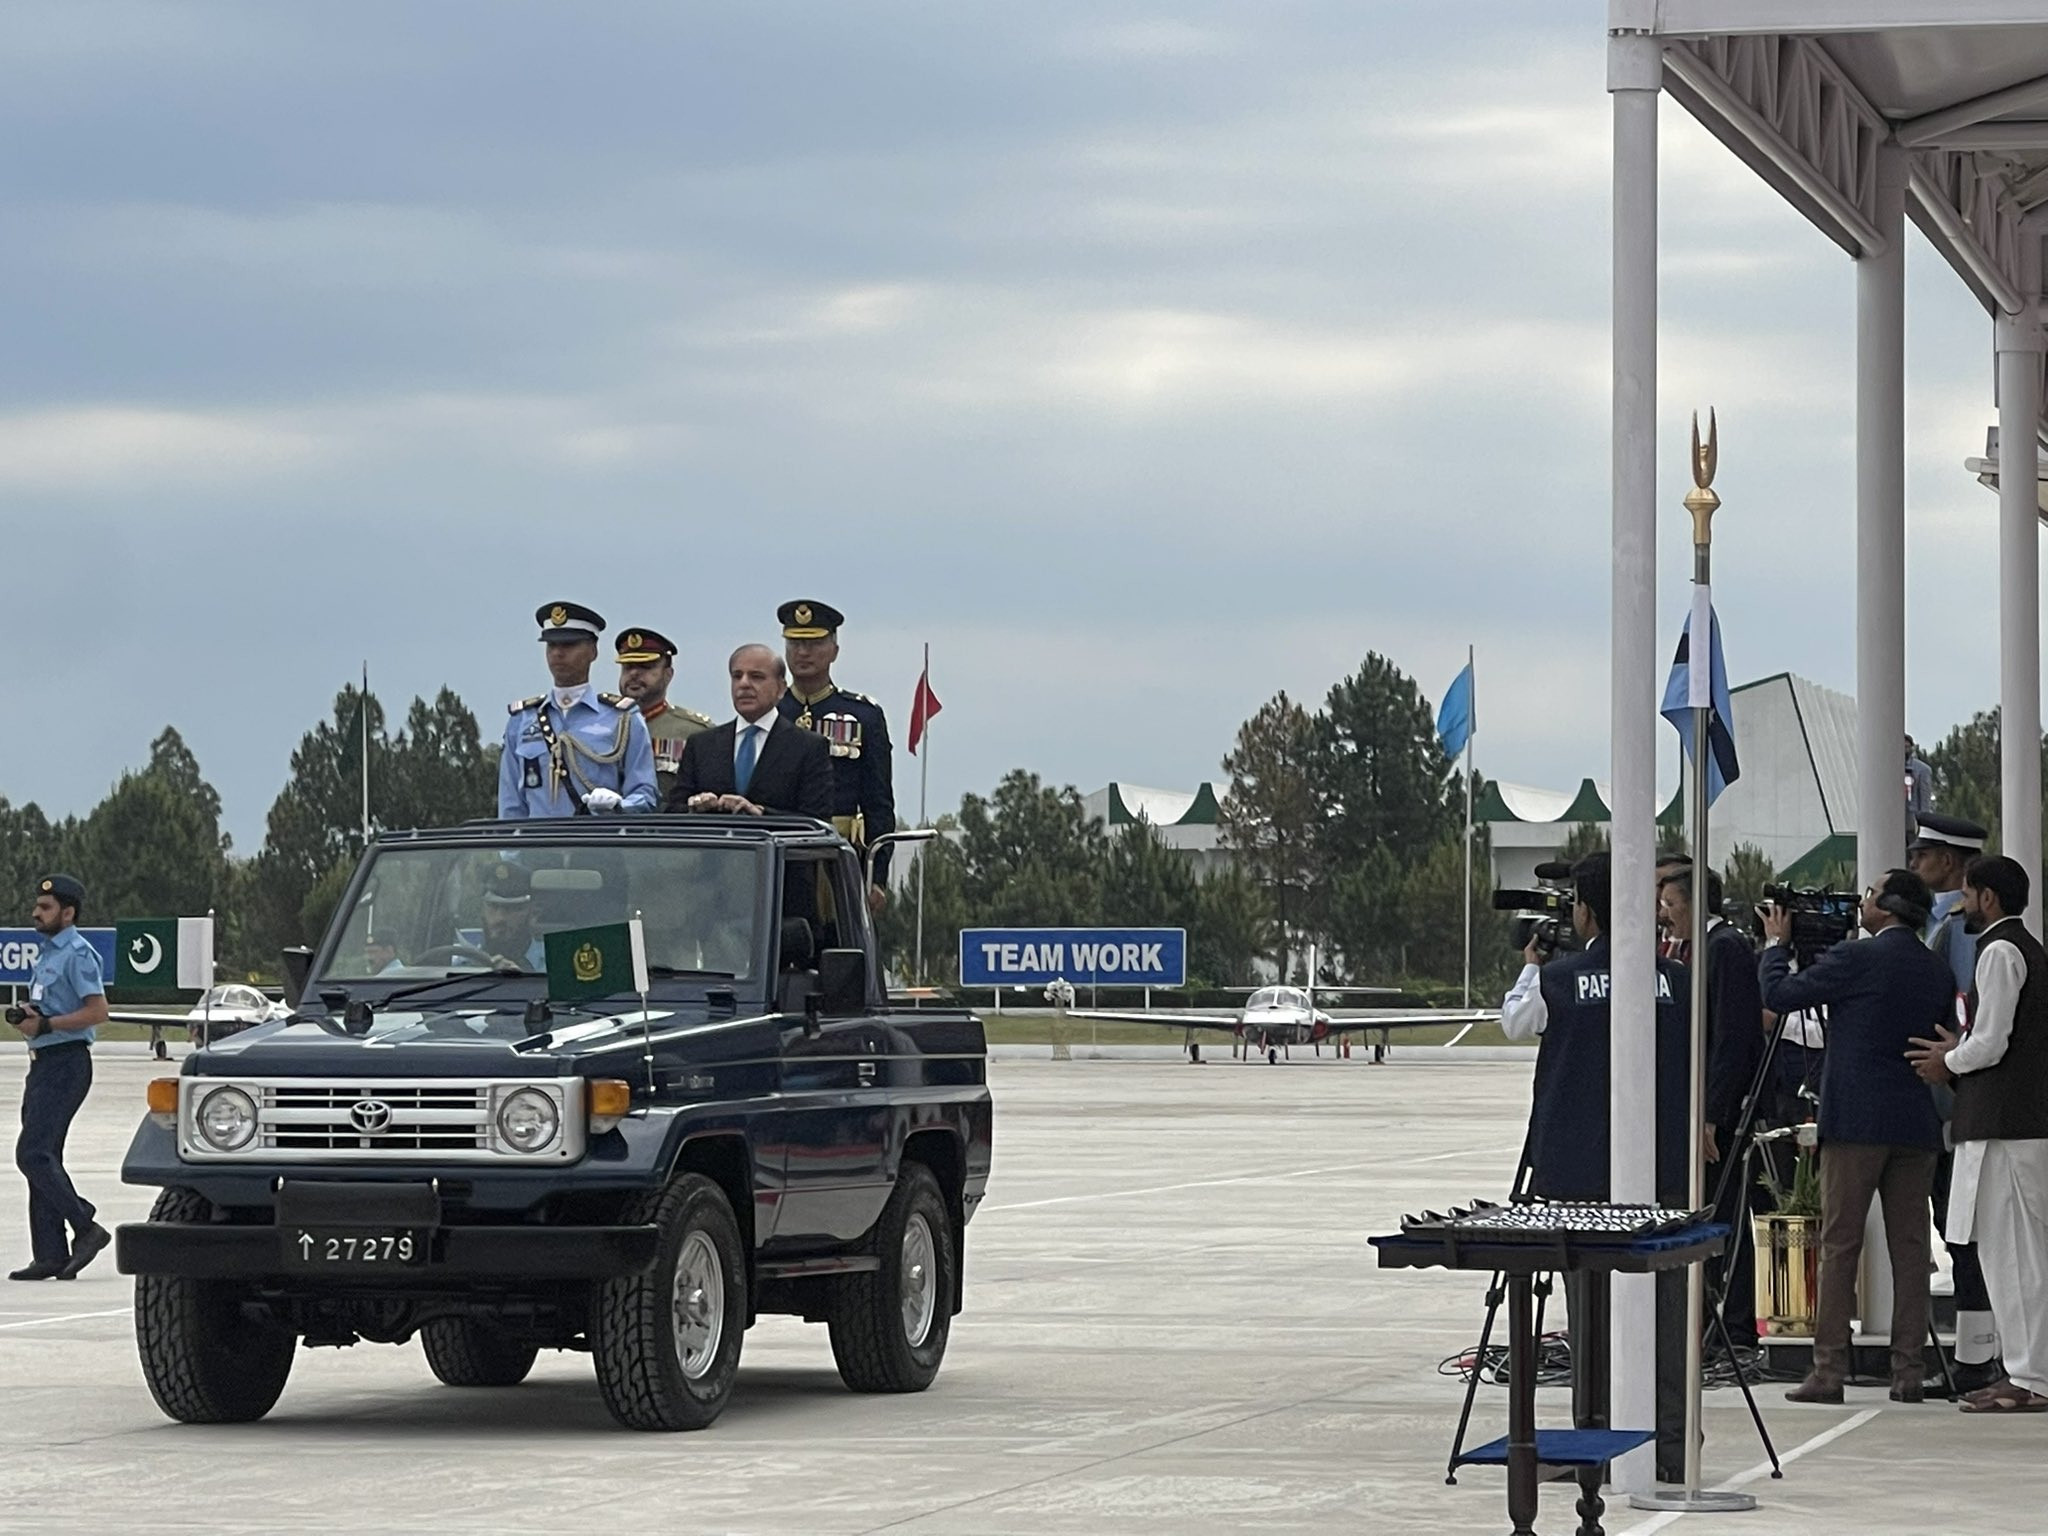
1881,533
1634,79
2019,343
924,779
1471,730
1700,672
366,755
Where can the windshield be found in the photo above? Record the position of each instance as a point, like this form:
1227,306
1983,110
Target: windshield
423,912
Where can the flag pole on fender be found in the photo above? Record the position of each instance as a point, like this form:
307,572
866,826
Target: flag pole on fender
922,708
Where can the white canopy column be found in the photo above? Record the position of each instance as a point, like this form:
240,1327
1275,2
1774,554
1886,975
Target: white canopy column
2019,340
1881,528
1635,80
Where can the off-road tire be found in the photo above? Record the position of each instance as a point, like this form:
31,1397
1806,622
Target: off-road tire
204,1361
871,1343
465,1353
633,1335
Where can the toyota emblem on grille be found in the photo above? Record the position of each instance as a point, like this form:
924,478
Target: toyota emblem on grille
370,1116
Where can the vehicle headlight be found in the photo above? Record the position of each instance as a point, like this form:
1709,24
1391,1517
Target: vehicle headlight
528,1120
226,1119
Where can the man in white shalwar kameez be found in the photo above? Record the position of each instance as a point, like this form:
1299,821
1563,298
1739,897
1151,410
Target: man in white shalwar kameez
1998,1195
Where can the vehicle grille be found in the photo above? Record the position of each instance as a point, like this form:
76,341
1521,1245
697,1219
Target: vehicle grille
424,1118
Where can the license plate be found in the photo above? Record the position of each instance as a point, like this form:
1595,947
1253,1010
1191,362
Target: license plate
352,1248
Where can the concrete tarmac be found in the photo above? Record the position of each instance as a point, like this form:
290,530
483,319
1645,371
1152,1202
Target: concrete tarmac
1174,1325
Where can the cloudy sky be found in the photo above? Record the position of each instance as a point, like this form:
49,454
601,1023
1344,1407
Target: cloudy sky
1142,359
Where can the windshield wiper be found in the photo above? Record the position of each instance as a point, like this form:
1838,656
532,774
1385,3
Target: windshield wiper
484,983
683,970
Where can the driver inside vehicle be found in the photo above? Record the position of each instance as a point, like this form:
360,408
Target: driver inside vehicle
508,936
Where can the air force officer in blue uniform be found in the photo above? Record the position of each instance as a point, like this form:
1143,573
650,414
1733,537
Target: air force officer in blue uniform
573,751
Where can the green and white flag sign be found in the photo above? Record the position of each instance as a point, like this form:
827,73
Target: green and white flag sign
166,953
597,962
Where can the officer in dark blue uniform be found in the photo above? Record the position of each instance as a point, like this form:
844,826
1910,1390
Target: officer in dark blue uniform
1566,1005
853,725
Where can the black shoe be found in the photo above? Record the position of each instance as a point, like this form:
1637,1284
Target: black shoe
37,1271
1974,1378
85,1250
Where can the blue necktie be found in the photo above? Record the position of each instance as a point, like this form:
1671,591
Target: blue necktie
743,765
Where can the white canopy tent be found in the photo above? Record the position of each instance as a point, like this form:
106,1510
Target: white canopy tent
1861,114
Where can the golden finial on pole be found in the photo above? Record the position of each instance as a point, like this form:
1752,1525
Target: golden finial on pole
1701,501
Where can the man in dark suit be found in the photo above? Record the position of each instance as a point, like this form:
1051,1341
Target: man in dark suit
1735,1047
1879,1132
757,762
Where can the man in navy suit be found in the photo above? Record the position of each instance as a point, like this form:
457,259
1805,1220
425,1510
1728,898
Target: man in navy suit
759,761
1879,1132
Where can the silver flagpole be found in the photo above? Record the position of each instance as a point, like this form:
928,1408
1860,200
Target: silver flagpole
1471,730
924,779
1701,502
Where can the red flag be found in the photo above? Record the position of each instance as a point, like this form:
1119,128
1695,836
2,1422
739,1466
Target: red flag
923,707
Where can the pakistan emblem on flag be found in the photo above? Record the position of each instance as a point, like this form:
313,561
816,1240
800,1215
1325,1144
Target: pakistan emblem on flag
597,962
165,954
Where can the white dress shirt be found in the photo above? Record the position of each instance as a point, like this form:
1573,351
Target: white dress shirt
1523,1013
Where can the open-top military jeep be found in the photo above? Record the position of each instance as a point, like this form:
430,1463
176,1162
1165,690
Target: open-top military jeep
429,1146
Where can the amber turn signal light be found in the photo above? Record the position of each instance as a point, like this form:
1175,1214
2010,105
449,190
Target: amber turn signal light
163,1096
610,1098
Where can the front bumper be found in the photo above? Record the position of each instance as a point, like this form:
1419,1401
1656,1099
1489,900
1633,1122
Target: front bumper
454,1253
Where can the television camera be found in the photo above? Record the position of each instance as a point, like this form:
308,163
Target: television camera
1543,915
1820,919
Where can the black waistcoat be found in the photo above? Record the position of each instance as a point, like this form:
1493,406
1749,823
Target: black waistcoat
2009,1100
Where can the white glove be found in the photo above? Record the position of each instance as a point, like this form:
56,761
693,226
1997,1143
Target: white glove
602,802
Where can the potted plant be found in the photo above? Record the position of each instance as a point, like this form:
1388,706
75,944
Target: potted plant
1788,1246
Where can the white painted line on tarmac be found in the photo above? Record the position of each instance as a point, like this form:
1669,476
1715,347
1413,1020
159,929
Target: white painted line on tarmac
1762,1469
1250,1178
68,1317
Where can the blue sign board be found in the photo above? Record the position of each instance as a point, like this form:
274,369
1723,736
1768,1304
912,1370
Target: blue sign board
1106,957
20,946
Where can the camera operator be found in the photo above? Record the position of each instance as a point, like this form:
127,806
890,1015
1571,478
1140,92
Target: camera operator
66,1003
1879,1133
1735,1047
1564,1003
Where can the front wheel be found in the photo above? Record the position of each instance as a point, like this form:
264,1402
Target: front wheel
463,1353
889,1326
204,1361
666,1342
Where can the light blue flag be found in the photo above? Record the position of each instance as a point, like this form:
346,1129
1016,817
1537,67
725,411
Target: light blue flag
1454,719
1684,692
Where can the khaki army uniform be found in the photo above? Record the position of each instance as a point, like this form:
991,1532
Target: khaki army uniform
670,725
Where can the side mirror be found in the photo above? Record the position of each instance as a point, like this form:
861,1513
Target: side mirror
842,981
298,969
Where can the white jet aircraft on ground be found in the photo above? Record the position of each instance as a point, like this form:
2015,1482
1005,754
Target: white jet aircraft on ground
1276,1017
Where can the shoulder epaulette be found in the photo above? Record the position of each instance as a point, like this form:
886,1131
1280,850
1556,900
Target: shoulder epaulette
518,706
861,696
618,701
695,716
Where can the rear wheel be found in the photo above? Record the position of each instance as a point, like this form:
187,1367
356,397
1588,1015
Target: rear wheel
889,1326
466,1353
205,1362
666,1342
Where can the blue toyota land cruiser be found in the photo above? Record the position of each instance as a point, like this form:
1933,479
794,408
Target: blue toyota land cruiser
429,1146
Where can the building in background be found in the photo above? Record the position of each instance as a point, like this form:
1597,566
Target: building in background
1185,819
